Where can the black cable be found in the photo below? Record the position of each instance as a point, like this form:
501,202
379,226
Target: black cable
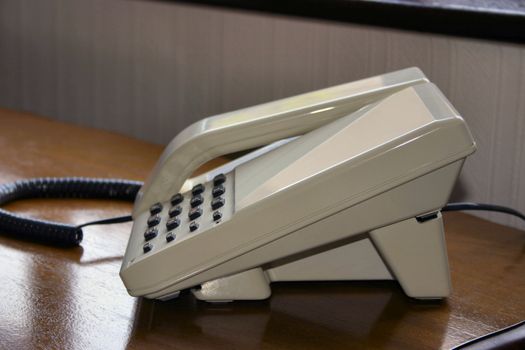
69,187
482,206
512,337
109,221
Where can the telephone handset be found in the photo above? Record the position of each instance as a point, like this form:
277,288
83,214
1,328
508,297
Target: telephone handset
356,195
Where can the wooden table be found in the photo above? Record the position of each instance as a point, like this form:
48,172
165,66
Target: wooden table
53,298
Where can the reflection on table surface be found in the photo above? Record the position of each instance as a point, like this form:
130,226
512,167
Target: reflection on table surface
298,316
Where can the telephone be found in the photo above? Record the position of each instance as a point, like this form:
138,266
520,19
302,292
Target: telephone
347,184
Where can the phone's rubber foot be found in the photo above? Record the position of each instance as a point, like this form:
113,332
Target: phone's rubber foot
247,285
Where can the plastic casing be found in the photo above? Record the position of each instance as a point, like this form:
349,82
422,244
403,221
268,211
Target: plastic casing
382,151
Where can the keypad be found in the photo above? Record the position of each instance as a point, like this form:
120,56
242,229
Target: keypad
199,209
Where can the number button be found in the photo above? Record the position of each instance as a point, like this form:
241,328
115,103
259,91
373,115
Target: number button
147,247
217,215
170,237
219,179
172,223
196,201
197,189
195,213
150,233
217,203
217,191
153,220
177,199
174,211
155,208
193,226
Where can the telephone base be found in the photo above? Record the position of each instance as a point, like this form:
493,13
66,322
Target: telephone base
410,251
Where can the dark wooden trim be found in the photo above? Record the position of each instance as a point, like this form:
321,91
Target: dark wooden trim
484,23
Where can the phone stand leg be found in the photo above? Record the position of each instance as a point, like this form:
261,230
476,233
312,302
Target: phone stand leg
415,252
247,285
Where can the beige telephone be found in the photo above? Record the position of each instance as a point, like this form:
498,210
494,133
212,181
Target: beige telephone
356,195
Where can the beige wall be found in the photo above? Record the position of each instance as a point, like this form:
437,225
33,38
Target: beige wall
149,69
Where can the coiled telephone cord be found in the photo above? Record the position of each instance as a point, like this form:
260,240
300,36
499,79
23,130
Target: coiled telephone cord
68,187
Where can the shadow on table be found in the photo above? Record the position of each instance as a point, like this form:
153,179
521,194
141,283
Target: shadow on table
297,316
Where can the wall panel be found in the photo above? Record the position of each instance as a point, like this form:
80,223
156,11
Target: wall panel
149,69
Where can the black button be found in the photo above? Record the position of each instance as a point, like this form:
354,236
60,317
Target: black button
196,201
155,208
193,226
217,203
219,179
217,191
195,213
170,237
153,220
197,189
177,199
217,215
174,211
147,247
150,233
172,223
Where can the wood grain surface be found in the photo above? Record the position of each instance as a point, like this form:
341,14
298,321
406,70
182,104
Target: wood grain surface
53,298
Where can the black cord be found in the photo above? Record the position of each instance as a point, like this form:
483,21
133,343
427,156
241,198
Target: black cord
512,337
109,221
70,187
482,206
